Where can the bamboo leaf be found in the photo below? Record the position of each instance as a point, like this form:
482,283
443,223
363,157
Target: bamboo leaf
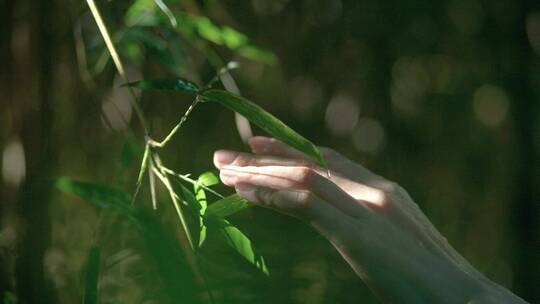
224,35
265,121
90,292
200,195
144,165
164,251
96,194
180,85
238,241
165,9
208,179
227,206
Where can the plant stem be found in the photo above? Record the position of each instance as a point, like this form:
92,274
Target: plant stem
190,180
176,202
116,59
177,127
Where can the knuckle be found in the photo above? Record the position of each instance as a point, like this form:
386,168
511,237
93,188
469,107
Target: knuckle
305,175
304,198
264,195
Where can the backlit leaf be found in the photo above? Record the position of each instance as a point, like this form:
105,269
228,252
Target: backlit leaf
265,121
227,206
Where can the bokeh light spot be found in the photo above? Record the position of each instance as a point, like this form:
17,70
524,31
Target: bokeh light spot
342,115
369,136
490,104
13,164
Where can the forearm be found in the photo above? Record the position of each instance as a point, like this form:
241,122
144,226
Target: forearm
399,270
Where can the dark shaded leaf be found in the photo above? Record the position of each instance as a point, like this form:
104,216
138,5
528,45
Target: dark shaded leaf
91,280
165,252
265,121
238,241
97,194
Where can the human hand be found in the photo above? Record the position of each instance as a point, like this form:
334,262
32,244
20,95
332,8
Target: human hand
372,222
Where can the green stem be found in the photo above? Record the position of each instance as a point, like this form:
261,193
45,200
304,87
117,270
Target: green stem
177,127
190,180
176,202
116,59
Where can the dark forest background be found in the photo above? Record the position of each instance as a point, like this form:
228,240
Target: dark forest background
439,96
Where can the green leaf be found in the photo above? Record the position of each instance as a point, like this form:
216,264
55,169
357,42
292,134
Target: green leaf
97,194
165,9
208,179
167,257
181,85
9,298
91,280
238,241
143,167
227,206
224,35
142,13
165,252
265,121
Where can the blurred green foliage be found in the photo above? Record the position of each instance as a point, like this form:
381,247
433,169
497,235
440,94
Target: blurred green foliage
439,96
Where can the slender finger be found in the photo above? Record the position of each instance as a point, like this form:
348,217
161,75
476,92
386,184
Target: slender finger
326,219
227,157
298,178
299,203
271,146
337,162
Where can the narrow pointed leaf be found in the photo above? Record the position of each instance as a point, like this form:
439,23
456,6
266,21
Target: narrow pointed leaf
144,164
238,241
152,181
91,280
227,206
96,194
165,252
165,9
265,121
180,85
208,179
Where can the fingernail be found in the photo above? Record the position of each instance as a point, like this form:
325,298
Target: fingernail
223,157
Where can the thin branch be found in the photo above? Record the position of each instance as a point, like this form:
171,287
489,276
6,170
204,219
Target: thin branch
177,127
190,180
116,59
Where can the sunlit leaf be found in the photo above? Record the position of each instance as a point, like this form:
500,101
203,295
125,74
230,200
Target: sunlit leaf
227,206
143,167
152,181
265,121
238,241
208,178
181,85
91,280
224,35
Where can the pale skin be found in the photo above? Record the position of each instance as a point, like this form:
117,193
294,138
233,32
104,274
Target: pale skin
372,222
